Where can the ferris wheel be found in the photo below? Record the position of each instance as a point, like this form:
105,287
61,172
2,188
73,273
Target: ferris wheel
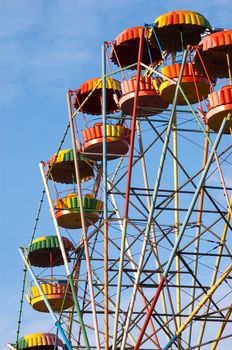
141,200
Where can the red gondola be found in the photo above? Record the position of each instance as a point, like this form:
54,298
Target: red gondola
117,141
149,100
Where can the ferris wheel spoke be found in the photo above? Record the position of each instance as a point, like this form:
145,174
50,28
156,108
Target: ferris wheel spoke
221,330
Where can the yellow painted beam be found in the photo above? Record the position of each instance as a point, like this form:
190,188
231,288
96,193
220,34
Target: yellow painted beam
203,301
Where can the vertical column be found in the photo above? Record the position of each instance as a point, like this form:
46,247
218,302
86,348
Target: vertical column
176,219
105,208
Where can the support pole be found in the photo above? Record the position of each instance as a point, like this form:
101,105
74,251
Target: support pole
221,330
71,311
199,306
105,198
176,219
182,230
57,323
64,256
84,234
126,208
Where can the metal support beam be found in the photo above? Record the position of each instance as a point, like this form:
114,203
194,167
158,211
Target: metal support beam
105,199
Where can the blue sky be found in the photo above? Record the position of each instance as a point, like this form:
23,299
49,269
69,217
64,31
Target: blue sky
48,47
